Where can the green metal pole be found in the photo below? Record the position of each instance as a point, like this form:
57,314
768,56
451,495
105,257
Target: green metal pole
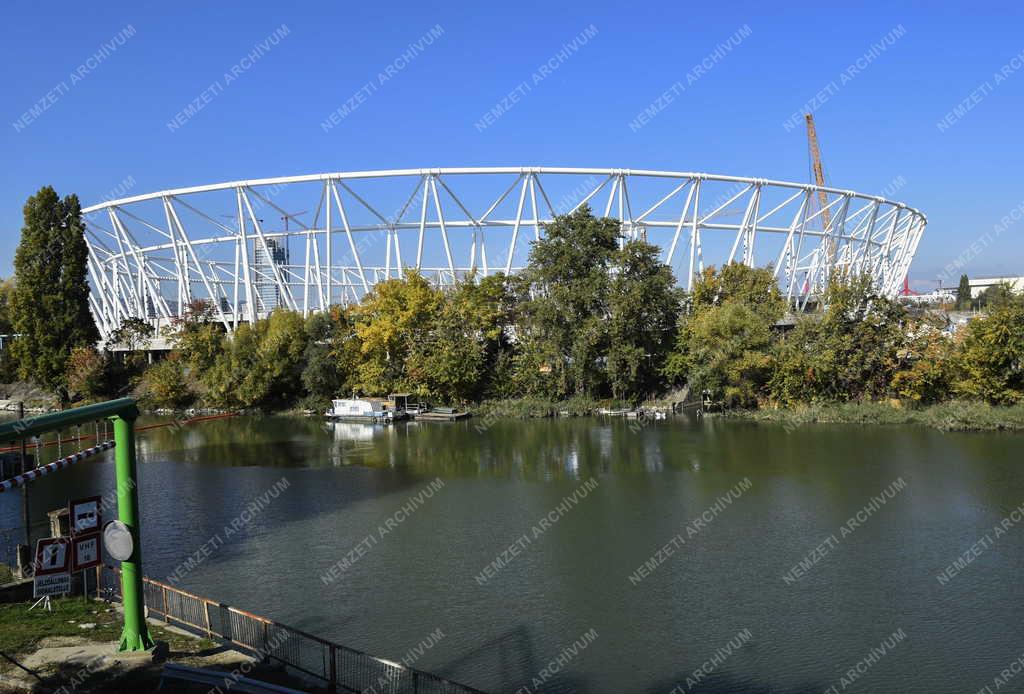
135,636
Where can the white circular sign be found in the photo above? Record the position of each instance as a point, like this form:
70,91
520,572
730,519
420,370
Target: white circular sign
117,538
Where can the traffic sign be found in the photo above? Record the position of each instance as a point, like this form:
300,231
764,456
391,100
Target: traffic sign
53,561
85,515
52,556
85,551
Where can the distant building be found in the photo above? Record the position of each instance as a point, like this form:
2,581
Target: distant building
267,292
980,284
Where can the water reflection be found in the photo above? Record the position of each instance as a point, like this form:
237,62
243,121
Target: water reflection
654,478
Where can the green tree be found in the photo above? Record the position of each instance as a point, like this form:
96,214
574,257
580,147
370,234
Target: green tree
164,384
995,296
50,305
260,365
739,283
6,299
991,357
850,352
392,318
324,375
728,354
563,329
963,294
724,341
132,334
923,370
198,339
8,367
644,305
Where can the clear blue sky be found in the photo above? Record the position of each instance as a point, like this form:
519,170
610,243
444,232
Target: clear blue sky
879,126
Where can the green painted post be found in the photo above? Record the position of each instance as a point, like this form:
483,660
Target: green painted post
135,636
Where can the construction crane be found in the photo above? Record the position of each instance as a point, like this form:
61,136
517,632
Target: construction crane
818,169
829,246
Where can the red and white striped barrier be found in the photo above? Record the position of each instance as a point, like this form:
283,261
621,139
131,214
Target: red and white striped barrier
22,479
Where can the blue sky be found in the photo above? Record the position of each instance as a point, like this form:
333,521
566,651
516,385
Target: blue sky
879,126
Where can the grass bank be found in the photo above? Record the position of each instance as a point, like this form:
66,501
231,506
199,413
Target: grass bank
75,647
947,416
524,408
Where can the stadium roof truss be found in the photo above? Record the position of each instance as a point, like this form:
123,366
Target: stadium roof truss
237,246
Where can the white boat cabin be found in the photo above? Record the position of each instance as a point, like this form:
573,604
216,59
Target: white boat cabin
360,408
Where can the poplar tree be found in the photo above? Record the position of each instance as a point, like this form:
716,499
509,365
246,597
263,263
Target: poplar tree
963,294
50,305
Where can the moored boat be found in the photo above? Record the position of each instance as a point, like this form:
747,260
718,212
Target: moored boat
365,410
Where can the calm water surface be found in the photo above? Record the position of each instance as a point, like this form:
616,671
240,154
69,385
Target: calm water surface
345,481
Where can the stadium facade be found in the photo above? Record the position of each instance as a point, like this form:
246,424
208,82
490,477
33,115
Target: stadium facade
307,242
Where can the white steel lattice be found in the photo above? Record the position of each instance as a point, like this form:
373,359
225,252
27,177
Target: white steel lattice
149,255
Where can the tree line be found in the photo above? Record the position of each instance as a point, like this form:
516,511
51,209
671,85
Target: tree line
591,317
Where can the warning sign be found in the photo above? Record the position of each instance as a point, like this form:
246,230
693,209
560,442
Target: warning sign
85,551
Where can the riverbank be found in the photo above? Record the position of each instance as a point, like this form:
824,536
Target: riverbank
947,416
74,647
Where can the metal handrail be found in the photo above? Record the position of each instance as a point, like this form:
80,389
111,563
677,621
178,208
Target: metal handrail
334,676
40,424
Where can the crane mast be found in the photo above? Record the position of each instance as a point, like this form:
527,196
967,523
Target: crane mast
819,170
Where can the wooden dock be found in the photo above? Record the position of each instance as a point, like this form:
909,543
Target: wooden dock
441,415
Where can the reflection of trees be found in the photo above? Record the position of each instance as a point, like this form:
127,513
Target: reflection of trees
522,449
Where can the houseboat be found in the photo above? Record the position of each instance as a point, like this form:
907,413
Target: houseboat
365,410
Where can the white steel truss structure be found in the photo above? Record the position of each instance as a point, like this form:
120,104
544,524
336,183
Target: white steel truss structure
238,247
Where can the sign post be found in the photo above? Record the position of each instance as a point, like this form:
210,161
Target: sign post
50,570
135,636
85,519
123,412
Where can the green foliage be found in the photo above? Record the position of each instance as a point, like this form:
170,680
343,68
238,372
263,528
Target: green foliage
164,384
323,376
644,307
723,347
391,319
739,283
197,338
991,359
50,303
995,296
262,365
8,366
923,372
727,354
848,353
563,327
963,294
6,299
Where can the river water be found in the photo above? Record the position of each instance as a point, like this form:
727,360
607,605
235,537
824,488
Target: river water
589,555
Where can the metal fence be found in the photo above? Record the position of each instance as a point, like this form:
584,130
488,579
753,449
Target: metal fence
338,666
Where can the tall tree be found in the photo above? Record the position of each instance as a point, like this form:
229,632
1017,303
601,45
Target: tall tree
50,306
963,294
564,328
389,321
644,306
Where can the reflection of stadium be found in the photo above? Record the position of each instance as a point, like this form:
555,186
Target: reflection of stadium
240,246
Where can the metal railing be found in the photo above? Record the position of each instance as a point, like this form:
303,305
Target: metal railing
338,666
